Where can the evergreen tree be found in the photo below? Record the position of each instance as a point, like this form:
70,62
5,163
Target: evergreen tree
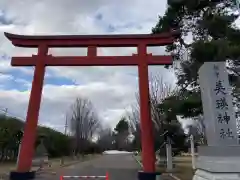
208,33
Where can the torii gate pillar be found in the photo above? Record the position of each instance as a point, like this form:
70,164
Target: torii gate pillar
142,59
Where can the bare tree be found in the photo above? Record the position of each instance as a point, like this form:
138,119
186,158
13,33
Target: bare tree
158,91
105,138
134,125
83,122
134,118
201,129
198,130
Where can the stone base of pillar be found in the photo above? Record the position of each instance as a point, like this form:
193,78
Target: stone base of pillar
22,175
218,163
205,175
148,176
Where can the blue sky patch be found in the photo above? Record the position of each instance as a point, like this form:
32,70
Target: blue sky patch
3,19
19,75
99,16
19,84
21,81
58,81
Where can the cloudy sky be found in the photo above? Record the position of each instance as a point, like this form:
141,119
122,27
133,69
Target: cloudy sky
111,89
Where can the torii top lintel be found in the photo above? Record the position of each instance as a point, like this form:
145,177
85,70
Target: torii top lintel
127,40
141,41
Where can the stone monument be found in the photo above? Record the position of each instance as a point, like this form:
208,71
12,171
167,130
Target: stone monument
169,155
220,160
161,156
193,151
41,155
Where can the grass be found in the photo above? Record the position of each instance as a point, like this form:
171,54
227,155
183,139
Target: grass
138,158
183,169
56,164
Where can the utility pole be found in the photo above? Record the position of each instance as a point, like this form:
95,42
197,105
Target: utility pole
65,132
237,4
65,127
5,110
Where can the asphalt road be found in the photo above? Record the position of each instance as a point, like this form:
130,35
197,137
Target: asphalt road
118,166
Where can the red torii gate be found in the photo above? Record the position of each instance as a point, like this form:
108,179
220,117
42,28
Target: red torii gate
43,59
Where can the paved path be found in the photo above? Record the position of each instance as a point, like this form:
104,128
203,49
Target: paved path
119,167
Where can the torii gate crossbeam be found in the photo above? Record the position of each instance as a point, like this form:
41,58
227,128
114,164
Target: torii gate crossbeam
142,59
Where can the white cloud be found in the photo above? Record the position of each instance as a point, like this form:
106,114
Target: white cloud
5,77
111,89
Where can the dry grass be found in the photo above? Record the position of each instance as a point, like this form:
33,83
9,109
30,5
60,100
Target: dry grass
5,168
183,169
57,163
